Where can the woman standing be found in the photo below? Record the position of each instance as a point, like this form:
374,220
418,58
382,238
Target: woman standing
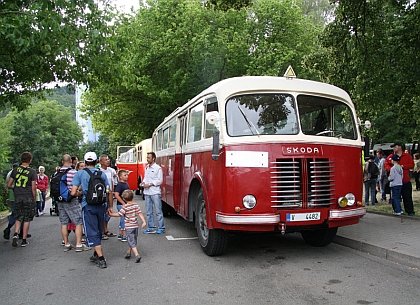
42,185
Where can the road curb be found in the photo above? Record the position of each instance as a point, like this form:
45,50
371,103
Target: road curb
4,219
388,254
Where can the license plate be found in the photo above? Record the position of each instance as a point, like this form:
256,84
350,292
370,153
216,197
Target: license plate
303,216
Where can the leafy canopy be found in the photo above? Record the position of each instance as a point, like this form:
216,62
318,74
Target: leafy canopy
46,41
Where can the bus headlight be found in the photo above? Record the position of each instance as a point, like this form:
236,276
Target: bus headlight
351,199
249,201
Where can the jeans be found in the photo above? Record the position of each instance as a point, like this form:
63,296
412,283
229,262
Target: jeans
12,216
396,198
43,198
121,225
154,202
370,188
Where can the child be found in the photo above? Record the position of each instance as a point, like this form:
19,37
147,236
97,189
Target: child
130,211
395,178
38,203
119,189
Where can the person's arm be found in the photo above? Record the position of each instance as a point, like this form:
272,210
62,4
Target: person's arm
143,225
10,183
118,197
113,214
34,189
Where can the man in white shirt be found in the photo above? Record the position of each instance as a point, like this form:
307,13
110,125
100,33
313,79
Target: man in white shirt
152,194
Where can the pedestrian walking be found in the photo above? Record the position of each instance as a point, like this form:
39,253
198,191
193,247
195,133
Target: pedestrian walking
93,214
23,182
130,211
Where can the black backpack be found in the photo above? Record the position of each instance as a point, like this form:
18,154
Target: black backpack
96,193
373,170
58,186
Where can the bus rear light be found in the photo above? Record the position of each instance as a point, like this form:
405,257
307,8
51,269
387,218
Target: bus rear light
249,201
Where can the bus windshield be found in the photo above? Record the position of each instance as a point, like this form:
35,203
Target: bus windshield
261,114
277,114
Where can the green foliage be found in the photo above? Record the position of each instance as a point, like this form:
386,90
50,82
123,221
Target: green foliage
46,130
173,49
3,195
47,41
225,5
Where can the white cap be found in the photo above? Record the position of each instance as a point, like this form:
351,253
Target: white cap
90,156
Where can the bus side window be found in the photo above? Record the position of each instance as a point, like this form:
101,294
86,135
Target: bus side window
159,140
172,133
212,119
196,123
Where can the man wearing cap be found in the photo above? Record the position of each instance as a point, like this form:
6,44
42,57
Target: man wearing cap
93,215
407,163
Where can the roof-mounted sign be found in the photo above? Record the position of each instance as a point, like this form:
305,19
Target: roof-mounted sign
290,73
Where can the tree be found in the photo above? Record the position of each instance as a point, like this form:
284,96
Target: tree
371,49
46,130
46,41
174,49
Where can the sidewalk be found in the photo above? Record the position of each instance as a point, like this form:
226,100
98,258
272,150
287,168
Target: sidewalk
394,238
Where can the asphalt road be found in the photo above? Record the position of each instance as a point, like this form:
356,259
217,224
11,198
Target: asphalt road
258,269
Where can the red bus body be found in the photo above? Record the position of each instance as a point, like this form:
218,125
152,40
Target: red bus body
133,159
258,180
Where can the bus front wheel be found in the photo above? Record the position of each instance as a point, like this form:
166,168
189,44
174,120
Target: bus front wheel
319,238
214,242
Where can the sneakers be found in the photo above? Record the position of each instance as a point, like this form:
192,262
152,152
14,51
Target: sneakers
101,263
160,231
138,258
62,243
15,241
119,236
124,238
93,258
397,214
24,243
6,233
127,255
410,214
149,231
82,248
67,248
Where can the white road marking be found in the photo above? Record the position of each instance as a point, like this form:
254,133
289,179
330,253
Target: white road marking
170,237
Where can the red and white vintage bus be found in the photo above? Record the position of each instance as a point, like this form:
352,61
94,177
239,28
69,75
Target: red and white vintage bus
134,159
263,154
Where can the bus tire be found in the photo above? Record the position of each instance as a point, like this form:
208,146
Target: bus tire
320,237
214,242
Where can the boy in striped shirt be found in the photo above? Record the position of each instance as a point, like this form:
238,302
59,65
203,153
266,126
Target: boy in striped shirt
130,211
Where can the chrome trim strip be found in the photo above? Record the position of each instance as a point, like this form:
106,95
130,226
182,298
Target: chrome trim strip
248,219
340,214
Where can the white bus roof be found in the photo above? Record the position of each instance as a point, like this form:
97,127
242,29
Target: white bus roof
247,84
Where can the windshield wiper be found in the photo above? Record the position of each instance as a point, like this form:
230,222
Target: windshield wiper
248,121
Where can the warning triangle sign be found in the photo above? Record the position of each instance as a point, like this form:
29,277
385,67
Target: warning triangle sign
290,73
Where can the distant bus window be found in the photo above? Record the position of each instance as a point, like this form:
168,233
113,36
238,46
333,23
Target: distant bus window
172,133
196,122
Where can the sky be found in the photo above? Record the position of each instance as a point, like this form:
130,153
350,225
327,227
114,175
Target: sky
127,4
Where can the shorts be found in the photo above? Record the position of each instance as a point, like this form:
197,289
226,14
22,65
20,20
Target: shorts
132,235
70,212
25,209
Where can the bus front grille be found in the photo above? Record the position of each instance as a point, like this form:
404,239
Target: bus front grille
302,183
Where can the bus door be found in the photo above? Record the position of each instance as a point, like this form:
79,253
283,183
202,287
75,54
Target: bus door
127,160
182,206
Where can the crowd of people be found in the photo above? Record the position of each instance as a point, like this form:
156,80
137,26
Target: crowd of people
391,175
77,211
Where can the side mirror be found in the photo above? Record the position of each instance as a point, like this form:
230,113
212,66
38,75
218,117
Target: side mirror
215,151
